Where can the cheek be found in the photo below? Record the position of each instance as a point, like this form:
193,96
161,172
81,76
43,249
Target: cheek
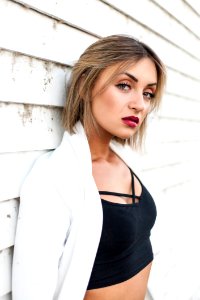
104,102
148,108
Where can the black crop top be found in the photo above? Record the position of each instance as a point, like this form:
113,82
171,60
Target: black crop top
124,248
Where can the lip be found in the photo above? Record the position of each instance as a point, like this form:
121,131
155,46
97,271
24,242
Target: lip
131,121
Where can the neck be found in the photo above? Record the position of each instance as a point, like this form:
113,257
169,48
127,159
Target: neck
99,147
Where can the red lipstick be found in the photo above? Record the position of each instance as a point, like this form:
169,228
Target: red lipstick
131,121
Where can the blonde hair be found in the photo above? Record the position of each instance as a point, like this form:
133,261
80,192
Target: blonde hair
121,50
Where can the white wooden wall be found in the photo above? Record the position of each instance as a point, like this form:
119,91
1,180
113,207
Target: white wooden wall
39,41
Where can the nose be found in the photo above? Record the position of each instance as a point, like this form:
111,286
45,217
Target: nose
137,101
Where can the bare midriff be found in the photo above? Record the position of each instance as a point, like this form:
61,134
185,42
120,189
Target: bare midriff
131,289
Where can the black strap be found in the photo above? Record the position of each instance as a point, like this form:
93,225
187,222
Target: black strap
132,182
116,194
133,196
119,194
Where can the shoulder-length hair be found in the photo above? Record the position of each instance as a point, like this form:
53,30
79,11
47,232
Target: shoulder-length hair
119,50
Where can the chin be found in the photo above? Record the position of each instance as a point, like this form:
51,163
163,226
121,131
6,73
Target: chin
128,133
125,136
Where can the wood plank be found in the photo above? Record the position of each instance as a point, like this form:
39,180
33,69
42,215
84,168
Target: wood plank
5,271
179,9
179,108
29,127
173,130
14,168
65,12
8,220
169,154
194,4
176,32
29,80
39,35
41,43
176,82
96,10
162,179
166,51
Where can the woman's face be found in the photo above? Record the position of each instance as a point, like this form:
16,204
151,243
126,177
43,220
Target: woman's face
121,107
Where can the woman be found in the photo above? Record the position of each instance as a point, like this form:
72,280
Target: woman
85,217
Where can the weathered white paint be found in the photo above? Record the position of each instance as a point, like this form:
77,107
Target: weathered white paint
29,127
25,79
8,217
29,80
82,14
38,35
59,51
5,271
173,56
160,22
179,9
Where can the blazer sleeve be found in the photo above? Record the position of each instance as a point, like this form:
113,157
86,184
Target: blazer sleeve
42,228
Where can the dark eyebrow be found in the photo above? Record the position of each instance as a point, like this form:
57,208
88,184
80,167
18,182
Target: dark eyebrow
136,80
131,76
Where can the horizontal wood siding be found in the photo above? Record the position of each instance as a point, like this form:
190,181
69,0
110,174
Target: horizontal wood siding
39,43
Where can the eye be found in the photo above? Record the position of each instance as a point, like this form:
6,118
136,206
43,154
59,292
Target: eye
124,86
149,95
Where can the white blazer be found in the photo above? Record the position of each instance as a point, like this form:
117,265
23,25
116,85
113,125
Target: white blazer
59,223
